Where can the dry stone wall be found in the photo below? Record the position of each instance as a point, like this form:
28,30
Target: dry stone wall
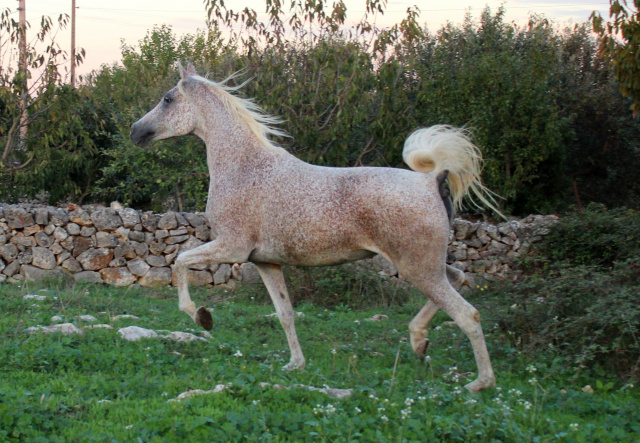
122,246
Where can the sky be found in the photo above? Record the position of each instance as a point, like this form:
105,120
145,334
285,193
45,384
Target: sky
102,25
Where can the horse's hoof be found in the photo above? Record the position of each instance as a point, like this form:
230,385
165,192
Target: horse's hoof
421,349
204,319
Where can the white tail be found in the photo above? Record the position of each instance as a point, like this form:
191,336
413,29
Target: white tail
441,147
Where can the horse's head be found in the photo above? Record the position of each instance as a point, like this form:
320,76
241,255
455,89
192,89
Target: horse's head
172,117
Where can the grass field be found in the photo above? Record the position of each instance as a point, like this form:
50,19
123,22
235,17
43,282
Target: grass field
99,387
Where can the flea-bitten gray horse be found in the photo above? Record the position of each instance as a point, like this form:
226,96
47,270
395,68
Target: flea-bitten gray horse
267,207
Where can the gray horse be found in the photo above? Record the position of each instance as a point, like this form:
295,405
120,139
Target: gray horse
267,207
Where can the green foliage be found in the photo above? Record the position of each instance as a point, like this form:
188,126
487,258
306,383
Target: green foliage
596,237
625,26
351,286
48,130
580,303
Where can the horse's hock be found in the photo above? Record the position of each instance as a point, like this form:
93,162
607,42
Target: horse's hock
122,246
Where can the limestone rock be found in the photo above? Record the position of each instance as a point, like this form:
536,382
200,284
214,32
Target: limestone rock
149,221
42,239
168,221
194,219
43,258
117,276
129,216
135,333
63,328
156,277
250,275
80,245
31,273
88,276
9,252
106,219
60,234
80,217
58,217
157,261
138,267
195,278
18,218
222,275
106,240
72,265
94,259
11,268
183,337
191,243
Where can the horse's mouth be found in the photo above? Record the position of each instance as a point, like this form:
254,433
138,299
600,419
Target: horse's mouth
142,137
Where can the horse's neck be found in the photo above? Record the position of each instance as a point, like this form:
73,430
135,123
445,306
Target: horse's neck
234,148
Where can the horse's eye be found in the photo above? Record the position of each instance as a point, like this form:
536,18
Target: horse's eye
168,100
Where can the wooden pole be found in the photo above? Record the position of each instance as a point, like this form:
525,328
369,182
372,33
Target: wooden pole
22,67
73,43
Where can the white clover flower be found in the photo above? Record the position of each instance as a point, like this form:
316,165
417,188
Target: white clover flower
427,359
256,402
334,351
358,410
531,368
238,353
457,390
533,380
381,409
437,328
405,413
527,405
408,401
471,401
573,426
384,418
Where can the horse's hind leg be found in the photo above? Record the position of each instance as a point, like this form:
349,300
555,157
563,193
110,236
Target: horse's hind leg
274,281
420,323
435,285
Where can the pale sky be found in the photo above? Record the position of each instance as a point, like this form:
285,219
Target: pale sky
100,25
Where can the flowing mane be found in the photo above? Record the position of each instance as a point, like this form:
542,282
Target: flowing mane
259,123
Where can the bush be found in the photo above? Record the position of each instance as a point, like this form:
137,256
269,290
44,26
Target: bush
596,237
580,300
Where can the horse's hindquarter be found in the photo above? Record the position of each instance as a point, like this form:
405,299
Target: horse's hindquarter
315,216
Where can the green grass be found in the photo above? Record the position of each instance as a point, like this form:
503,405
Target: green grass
52,386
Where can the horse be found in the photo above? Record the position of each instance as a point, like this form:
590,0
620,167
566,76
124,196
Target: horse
267,207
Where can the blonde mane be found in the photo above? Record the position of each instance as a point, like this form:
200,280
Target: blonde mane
259,123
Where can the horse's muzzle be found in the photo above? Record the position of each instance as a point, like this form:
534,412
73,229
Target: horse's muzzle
141,135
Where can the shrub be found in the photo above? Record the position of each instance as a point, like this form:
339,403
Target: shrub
580,300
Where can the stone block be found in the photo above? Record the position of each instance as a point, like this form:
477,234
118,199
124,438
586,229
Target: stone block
88,277
94,259
18,218
129,216
138,267
117,276
43,258
106,219
156,277
168,221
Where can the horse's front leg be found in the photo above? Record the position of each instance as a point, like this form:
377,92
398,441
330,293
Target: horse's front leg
274,281
217,251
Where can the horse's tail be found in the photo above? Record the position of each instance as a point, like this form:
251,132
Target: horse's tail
440,148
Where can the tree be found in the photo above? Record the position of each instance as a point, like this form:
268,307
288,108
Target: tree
620,42
48,130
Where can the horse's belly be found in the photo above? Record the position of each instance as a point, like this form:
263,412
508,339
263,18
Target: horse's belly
296,256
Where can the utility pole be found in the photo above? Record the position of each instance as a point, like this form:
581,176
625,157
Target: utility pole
73,43
22,26
22,66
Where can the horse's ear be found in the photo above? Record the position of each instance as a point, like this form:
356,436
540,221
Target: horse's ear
188,72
